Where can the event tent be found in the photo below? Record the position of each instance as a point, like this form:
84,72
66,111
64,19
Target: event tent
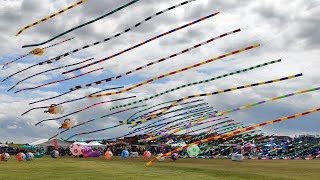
95,144
46,143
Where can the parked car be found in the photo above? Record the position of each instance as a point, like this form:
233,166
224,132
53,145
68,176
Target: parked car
8,149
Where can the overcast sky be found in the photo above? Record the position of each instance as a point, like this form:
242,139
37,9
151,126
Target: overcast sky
287,30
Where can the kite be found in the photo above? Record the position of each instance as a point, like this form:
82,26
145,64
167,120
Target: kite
68,123
112,56
95,120
157,61
77,99
49,17
55,109
36,51
235,133
80,26
213,93
58,81
199,82
229,111
84,109
175,72
48,71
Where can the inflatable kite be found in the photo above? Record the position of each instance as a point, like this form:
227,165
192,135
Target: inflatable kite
54,109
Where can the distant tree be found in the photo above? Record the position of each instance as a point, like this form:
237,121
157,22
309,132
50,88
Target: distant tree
11,143
6,142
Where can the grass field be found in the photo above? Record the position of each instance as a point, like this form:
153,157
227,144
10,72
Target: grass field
134,168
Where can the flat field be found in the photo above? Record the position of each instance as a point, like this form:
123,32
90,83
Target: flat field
135,168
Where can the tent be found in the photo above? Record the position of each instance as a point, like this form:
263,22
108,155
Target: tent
46,143
95,144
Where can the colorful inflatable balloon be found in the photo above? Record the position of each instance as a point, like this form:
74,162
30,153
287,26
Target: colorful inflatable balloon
147,154
53,109
86,151
39,154
21,156
6,157
193,151
29,156
68,123
162,158
55,154
108,155
76,149
174,156
125,154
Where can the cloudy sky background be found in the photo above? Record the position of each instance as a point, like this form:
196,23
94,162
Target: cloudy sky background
287,30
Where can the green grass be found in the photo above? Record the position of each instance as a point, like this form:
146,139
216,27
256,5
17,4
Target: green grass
134,168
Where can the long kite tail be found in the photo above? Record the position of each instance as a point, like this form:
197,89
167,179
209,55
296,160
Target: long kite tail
58,81
120,33
199,82
111,127
53,97
84,109
214,93
235,133
176,72
86,122
145,42
50,17
157,61
25,55
49,70
82,25
107,39
150,112
76,99
231,110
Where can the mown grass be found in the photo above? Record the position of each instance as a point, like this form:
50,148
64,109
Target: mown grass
134,168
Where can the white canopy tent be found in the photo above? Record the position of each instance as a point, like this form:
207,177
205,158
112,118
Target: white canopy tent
95,144
45,143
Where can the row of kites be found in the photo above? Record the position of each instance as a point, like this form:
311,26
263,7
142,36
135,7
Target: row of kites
186,112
